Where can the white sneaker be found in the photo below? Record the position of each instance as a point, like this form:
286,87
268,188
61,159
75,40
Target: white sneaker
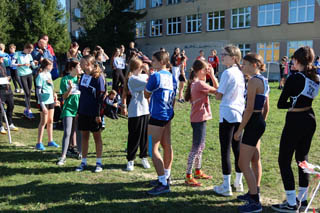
145,163
2,130
61,161
130,166
13,127
223,190
238,186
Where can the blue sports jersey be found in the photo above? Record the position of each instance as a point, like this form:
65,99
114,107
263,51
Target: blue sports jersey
162,85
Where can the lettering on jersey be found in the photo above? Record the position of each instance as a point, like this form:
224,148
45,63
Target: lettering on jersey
85,81
75,89
311,89
168,99
166,82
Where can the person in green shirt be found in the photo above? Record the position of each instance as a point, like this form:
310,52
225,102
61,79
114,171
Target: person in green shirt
69,88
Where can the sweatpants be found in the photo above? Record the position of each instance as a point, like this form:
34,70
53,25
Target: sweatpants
8,100
226,133
69,129
117,77
137,137
26,82
198,145
296,138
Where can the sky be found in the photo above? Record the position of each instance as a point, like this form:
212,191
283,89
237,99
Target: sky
63,3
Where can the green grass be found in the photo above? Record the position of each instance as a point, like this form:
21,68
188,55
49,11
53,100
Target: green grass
30,181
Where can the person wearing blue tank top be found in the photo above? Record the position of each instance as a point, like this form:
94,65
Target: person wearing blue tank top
161,88
253,123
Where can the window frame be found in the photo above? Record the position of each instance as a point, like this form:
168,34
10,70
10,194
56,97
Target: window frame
198,21
297,7
143,26
298,46
273,11
155,2
266,49
244,50
160,25
238,17
174,24
213,18
142,2
173,2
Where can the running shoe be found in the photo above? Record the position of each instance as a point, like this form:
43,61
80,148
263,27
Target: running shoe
26,113
13,127
81,167
223,190
130,166
61,161
238,186
201,175
30,115
244,197
40,146
145,163
17,91
285,207
302,205
53,144
98,167
154,183
250,206
3,130
159,189
192,182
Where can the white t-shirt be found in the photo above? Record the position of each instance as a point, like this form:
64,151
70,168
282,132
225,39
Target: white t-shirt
232,86
138,104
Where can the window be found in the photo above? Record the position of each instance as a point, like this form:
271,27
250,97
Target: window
269,51
174,26
155,3
77,12
156,28
215,20
269,14
194,23
240,18
294,45
244,48
174,1
141,29
301,11
140,4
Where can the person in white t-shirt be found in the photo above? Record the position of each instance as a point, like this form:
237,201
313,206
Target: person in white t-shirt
231,93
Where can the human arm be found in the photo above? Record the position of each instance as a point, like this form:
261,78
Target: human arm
66,94
284,101
265,110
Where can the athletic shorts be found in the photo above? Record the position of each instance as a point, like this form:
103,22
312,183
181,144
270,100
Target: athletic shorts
88,123
182,78
159,123
254,129
48,106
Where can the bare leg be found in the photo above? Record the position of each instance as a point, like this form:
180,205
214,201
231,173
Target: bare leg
156,132
166,145
85,143
42,124
50,124
98,142
256,164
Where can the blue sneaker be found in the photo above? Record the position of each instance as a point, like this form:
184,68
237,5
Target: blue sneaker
26,113
159,189
53,144
244,198
98,168
81,167
40,147
250,206
30,115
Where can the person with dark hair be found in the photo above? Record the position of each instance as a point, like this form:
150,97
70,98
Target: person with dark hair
317,64
253,123
283,71
175,63
201,56
182,75
299,128
86,51
74,51
118,65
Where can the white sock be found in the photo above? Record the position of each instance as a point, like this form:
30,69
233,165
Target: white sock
291,197
227,180
84,160
99,160
163,180
303,193
167,173
238,178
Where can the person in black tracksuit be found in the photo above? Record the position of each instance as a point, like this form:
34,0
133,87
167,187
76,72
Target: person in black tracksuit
301,87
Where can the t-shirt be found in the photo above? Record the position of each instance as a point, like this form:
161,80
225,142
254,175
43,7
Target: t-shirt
22,58
138,103
71,104
91,89
200,108
119,63
162,85
232,86
46,88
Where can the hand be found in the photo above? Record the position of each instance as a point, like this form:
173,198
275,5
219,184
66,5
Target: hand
115,105
98,119
70,83
40,51
27,65
124,111
35,63
237,135
55,97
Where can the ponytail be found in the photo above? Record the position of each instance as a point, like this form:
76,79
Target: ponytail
311,72
187,95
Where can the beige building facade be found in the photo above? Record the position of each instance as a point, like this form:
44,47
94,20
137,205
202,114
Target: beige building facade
72,8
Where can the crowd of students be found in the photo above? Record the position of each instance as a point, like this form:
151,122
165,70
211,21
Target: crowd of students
145,91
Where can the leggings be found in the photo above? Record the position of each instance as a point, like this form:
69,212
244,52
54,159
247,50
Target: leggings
198,145
69,128
117,77
7,99
296,138
15,78
26,82
226,133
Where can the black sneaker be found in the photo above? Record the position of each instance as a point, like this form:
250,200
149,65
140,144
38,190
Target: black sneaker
244,198
285,207
302,205
159,189
154,183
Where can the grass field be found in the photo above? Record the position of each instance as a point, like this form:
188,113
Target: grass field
30,181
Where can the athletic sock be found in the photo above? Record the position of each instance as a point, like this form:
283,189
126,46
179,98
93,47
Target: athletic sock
227,180
291,197
163,180
303,193
99,160
167,173
84,160
239,177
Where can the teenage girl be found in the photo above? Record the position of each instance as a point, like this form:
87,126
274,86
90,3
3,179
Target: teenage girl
69,88
119,64
301,88
182,76
46,99
253,123
231,94
92,88
175,62
138,114
161,88
14,72
197,93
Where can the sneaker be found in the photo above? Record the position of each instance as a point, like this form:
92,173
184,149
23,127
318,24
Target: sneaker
3,130
130,166
13,127
103,127
53,144
222,190
192,182
40,146
285,207
30,115
154,183
250,206
201,175
181,101
145,163
61,161
238,186
98,168
159,189
26,113
244,197
17,91
81,167
21,91
302,205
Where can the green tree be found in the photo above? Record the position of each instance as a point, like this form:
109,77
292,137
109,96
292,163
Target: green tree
5,22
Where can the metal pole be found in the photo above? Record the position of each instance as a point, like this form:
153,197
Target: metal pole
6,120
314,194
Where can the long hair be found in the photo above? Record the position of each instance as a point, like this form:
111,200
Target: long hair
134,64
305,56
96,72
44,63
235,52
257,59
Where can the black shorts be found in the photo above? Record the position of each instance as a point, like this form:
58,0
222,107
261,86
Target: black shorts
182,78
254,129
88,123
48,106
156,122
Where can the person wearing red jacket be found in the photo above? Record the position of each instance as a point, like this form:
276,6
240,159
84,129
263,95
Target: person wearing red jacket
214,61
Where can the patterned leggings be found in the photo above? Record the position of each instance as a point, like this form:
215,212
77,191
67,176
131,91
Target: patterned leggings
198,145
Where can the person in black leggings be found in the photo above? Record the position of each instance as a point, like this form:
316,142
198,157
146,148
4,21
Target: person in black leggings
14,72
117,74
299,128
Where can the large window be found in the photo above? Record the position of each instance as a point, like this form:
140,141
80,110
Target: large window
140,4
194,23
269,51
241,18
141,29
77,12
174,26
215,20
155,3
269,14
301,11
156,28
294,45
174,1
244,48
